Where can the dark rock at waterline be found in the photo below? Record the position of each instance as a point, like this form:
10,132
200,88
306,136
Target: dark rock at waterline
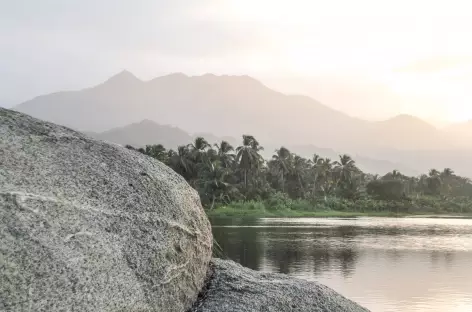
233,288
90,226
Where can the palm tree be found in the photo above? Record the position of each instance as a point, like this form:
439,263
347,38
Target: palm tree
422,184
210,155
282,160
225,156
197,148
255,144
248,155
181,161
213,182
412,183
396,175
433,173
299,167
200,144
259,161
447,177
434,182
345,167
156,151
447,172
326,174
171,153
326,167
315,169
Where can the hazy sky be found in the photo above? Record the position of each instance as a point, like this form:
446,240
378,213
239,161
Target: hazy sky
370,58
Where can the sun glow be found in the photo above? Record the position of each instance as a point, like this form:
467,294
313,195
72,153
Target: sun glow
417,49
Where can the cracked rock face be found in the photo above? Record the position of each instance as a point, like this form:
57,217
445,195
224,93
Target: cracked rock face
91,226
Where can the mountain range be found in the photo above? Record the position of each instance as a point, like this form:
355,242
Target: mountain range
230,106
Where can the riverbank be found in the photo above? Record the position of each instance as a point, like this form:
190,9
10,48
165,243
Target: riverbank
230,212
340,208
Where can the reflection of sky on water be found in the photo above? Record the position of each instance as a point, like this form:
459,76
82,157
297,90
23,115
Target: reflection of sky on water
411,264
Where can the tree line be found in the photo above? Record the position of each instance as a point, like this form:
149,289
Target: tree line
223,174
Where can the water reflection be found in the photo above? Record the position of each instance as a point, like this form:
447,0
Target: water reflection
413,264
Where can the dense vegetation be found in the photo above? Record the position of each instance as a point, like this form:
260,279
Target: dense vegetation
238,181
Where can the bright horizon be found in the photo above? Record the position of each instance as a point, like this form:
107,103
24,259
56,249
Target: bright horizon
367,59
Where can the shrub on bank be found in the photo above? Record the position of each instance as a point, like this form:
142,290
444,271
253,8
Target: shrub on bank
281,205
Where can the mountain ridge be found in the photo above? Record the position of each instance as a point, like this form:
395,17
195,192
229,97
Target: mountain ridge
230,97
126,75
233,105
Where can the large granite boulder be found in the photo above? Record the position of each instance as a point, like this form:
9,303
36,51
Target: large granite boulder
90,226
233,288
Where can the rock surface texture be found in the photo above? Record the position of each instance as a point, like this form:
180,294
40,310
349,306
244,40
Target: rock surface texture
90,226
233,288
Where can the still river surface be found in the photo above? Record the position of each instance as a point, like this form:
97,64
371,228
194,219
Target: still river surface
385,264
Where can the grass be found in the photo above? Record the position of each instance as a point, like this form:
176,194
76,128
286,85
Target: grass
231,212
335,208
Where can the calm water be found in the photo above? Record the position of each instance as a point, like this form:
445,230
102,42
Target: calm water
385,264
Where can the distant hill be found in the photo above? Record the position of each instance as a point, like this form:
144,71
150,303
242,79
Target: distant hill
145,132
407,132
423,160
365,163
148,132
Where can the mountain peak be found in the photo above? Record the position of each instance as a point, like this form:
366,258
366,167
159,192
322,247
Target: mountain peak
146,122
123,77
407,119
404,117
412,123
177,75
173,77
210,78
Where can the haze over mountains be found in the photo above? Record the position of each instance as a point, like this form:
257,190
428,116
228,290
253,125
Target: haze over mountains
145,132
229,106
462,132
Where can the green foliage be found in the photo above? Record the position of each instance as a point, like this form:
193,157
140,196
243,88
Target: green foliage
242,211
386,189
279,201
238,181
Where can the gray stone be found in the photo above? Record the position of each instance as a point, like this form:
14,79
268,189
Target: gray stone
91,226
233,288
